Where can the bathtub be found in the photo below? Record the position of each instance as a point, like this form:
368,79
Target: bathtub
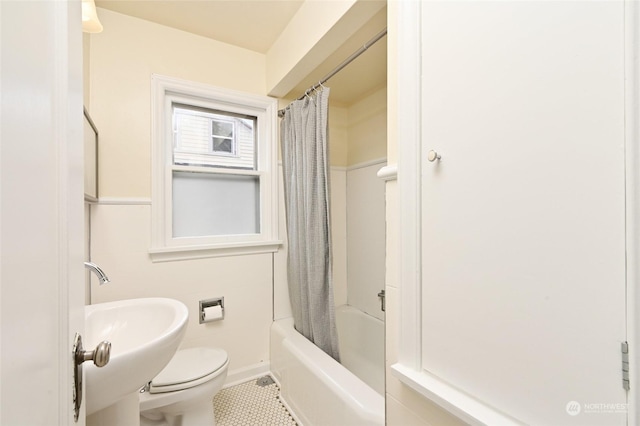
319,391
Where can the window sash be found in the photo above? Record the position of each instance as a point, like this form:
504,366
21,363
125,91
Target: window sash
167,92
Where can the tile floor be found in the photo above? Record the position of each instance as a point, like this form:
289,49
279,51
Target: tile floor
253,403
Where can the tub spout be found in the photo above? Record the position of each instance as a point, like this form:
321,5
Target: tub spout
99,273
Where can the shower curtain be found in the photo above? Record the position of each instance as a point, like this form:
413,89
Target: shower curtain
305,165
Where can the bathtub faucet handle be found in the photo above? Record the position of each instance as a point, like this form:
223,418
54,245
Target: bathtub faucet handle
382,300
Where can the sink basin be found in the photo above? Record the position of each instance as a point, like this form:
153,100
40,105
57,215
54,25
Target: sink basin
144,335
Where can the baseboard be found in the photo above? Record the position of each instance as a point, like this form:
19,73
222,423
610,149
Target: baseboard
241,375
124,201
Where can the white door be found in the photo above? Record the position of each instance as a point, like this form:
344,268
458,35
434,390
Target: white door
523,223
41,199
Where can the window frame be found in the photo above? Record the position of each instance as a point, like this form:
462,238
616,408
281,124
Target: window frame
234,139
165,92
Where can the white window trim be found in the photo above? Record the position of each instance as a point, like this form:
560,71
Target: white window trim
164,91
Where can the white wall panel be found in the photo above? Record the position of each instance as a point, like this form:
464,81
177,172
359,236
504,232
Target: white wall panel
339,229
366,238
120,242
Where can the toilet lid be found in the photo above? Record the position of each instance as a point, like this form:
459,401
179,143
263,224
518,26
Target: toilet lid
189,365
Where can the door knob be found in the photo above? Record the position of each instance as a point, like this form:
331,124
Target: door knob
433,156
100,357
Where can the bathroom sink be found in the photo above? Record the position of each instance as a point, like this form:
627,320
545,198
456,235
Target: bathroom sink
144,335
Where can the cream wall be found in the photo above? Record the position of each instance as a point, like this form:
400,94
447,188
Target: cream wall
122,59
338,136
86,64
358,132
367,134
338,153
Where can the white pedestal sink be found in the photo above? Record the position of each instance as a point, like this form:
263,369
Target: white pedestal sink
144,335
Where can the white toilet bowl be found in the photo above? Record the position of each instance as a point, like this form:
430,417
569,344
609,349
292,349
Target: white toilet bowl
182,393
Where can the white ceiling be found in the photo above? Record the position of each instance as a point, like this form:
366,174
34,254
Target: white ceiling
252,24
256,24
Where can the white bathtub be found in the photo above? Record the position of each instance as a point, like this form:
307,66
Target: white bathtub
361,342
318,390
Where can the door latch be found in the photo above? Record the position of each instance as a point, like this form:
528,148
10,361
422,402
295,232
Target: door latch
382,300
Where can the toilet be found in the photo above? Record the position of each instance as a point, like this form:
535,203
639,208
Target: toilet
182,393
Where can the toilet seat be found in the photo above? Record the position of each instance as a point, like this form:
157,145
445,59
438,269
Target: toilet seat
189,368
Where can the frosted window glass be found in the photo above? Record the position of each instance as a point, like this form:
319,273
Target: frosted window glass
206,204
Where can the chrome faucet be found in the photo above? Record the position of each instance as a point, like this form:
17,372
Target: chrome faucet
99,273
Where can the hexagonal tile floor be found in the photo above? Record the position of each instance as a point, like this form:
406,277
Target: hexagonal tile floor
253,403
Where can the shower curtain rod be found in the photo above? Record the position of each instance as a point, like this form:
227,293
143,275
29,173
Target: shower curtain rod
339,68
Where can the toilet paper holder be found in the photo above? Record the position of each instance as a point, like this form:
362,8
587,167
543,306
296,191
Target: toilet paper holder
216,301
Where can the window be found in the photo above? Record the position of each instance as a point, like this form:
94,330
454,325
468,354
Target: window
214,177
222,136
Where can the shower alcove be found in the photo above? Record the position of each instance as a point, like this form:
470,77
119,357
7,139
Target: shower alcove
357,150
